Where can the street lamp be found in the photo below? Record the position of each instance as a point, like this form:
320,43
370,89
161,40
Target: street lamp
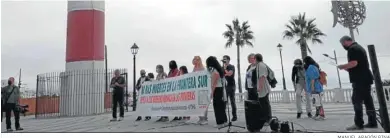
134,51
281,61
335,59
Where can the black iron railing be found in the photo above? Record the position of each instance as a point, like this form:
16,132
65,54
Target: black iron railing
75,93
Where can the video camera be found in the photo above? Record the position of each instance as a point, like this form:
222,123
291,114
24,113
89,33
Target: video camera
23,109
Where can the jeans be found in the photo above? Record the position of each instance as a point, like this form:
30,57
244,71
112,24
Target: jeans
8,108
362,94
299,88
231,90
118,100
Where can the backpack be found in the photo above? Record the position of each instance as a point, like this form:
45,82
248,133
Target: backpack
270,77
322,78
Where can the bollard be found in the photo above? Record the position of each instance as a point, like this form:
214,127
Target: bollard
379,89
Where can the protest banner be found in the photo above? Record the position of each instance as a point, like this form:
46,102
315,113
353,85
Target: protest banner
186,95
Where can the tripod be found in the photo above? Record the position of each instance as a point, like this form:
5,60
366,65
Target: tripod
228,111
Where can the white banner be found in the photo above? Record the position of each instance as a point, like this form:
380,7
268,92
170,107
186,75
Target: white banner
186,95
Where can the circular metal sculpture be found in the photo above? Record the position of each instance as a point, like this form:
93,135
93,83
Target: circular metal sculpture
349,14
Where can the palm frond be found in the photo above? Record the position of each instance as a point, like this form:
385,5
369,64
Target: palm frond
249,43
316,41
288,35
229,42
308,49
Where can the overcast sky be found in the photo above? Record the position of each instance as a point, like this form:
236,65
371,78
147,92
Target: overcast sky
33,34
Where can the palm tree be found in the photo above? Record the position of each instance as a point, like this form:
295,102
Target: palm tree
305,30
241,36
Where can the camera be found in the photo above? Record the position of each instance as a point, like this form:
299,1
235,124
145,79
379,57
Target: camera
23,109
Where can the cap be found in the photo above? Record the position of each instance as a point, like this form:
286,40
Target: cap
345,38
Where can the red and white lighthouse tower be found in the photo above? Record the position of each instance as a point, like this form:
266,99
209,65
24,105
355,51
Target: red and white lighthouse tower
82,89
85,35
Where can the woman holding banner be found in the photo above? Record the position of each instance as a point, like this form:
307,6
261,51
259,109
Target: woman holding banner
160,76
217,92
183,70
198,66
173,72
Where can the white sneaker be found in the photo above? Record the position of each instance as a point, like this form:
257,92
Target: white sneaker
114,119
204,122
120,118
221,125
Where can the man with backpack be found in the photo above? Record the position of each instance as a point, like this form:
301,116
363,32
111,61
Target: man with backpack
298,79
361,78
10,99
265,81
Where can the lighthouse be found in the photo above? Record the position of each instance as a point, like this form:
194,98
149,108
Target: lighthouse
82,87
85,35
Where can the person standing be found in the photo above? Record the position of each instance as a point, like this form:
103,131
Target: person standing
361,78
229,71
173,72
140,81
160,73
198,66
250,84
263,87
298,79
217,93
118,85
160,76
150,77
10,96
183,70
314,86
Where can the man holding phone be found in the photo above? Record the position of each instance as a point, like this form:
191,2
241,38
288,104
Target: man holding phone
118,85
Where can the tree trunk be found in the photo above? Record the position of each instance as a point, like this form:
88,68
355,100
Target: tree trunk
239,70
303,50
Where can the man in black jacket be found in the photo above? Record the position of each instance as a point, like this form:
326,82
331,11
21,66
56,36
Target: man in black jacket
298,79
231,84
361,78
118,84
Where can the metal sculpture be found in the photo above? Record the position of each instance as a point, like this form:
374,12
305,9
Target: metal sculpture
349,14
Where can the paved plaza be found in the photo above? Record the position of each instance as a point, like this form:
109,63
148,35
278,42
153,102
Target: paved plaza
338,116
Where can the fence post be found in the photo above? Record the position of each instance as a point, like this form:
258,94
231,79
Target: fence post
339,95
36,98
379,89
286,96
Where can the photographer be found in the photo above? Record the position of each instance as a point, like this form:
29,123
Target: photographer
10,99
231,84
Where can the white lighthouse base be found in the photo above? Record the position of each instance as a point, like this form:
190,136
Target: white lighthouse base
82,88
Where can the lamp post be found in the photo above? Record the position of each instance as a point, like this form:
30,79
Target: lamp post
134,51
335,59
281,61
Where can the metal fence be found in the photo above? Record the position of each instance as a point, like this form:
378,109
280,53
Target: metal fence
75,93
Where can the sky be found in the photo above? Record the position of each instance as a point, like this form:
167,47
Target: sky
33,34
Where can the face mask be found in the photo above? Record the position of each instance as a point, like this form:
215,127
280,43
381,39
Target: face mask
9,82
